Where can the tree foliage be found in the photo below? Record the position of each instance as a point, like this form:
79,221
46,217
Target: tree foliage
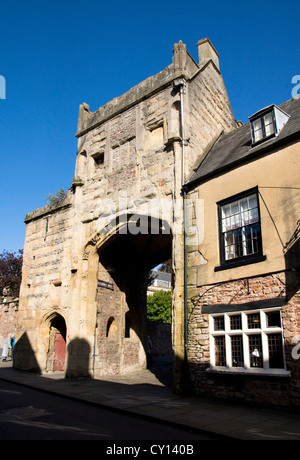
166,266
57,197
11,271
159,307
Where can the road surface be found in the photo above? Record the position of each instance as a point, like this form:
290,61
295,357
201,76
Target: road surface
29,414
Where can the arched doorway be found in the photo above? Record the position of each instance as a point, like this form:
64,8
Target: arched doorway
125,259
56,356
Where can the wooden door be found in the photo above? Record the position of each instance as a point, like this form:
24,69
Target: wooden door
59,353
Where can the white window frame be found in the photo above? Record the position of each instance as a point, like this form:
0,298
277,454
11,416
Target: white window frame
240,220
267,123
245,332
266,129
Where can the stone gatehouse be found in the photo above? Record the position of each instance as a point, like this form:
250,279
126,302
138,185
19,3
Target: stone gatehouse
149,182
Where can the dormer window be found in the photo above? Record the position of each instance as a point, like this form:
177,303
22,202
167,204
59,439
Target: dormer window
267,123
263,127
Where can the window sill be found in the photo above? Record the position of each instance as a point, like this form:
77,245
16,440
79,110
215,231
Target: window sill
252,371
240,262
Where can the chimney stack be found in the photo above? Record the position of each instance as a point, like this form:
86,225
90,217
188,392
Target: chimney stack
207,52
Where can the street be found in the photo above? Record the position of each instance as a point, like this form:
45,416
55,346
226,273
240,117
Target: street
28,414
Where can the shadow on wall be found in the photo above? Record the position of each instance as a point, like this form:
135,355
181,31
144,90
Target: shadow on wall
292,263
24,355
78,359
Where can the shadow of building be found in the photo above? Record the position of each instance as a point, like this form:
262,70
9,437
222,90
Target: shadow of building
78,352
24,355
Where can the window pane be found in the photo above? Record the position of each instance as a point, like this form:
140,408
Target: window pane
237,351
256,238
235,221
257,130
252,201
253,215
268,118
234,207
275,351
238,243
258,135
255,351
225,211
257,124
273,319
245,217
235,322
249,240
269,125
252,239
219,323
220,353
229,246
269,130
226,224
253,321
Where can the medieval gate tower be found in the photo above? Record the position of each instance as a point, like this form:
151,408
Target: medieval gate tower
86,258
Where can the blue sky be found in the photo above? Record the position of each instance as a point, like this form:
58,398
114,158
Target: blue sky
54,55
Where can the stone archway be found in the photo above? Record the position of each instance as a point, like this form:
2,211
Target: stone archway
56,352
124,261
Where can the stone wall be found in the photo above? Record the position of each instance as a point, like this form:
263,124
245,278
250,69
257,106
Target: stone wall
129,162
161,338
9,307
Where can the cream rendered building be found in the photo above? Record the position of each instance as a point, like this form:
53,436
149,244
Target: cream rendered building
243,285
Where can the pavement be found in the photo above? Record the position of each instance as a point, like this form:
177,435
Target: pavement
147,394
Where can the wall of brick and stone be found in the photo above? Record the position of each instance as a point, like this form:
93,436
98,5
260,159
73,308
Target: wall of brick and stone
283,288
9,307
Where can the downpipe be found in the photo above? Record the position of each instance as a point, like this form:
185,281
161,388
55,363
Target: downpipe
184,193
180,83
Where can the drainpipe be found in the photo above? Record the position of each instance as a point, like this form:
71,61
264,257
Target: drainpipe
184,193
94,350
180,83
